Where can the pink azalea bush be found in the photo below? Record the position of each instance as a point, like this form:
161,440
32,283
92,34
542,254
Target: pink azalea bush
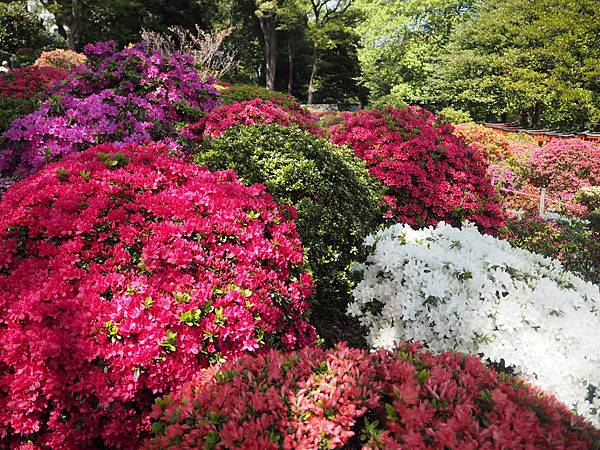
121,96
346,398
125,272
431,174
250,112
564,166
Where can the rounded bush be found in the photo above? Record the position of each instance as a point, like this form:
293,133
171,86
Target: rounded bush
431,174
346,398
122,274
60,58
250,112
337,202
456,289
127,96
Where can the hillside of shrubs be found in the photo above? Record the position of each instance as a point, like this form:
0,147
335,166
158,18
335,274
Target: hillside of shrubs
190,264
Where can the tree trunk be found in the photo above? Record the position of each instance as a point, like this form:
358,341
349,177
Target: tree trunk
313,75
290,69
70,37
268,25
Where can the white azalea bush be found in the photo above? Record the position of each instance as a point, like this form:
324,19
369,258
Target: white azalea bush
456,289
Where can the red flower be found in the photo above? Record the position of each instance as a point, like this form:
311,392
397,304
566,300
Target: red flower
122,275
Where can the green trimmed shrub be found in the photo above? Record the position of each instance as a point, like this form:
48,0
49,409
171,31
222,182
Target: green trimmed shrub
337,201
575,243
13,108
589,197
244,92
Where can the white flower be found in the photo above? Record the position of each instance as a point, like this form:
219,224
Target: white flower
456,289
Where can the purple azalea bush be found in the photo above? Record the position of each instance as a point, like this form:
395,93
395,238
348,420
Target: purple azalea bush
121,96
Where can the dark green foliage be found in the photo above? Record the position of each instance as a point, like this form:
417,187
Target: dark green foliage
19,28
337,201
13,108
576,244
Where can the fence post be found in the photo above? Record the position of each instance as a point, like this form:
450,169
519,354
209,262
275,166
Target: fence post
542,202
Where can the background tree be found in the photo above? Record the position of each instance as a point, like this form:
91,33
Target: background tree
533,62
19,28
325,20
400,41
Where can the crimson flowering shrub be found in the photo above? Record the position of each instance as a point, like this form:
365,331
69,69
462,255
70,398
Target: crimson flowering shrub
122,274
564,166
346,398
431,174
29,82
250,112
126,96
61,58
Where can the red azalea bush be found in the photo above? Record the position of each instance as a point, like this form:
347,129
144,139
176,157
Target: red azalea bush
60,58
122,274
345,398
431,174
250,112
565,166
29,82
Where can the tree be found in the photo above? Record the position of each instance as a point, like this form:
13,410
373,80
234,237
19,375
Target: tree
274,15
534,62
401,40
19,28
83,21
324,18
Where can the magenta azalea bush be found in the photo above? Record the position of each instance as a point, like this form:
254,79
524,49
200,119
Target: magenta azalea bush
121,96
431,174
346,398
125,272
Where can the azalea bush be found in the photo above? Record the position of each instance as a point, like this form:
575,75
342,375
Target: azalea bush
564,166
431,174
456,289
337,202
121,96
61,58
589,197
29,82
249,112
13,108
125,272
346,398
